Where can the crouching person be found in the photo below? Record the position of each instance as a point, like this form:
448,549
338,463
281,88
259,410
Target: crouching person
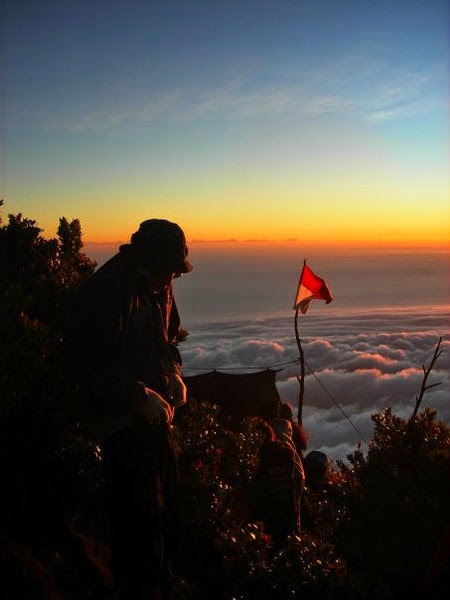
274,495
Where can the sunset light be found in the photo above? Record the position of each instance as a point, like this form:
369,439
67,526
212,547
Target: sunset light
225,299
266,120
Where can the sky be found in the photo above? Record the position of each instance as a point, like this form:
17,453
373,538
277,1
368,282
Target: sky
321,121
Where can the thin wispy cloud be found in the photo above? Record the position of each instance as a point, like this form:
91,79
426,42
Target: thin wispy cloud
360,92
154,108
321,105
90,114
404,87
402,111
373,92
376,94
240,100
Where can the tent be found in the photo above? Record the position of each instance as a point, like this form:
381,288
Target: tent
238,395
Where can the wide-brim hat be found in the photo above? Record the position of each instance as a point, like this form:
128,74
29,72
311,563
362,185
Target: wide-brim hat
161,246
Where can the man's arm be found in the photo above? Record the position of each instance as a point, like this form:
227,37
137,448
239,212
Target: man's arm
149,404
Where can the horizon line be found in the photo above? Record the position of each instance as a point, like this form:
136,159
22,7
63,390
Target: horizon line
443,245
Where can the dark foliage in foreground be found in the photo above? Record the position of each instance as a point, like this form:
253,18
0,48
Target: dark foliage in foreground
368,534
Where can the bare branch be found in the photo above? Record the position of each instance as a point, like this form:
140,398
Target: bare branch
426,372
427,387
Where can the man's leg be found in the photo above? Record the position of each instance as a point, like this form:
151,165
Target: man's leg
133,459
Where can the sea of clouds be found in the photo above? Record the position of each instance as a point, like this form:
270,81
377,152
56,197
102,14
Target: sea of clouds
356,366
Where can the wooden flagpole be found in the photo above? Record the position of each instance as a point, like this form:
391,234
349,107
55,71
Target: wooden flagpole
301,378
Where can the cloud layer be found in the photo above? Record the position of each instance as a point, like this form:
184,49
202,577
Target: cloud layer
356,365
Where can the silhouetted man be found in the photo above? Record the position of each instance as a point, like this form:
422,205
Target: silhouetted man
126,328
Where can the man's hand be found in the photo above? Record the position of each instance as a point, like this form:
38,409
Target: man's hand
152,406
177,389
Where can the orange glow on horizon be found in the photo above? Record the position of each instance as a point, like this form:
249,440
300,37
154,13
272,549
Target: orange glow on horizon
294,246
438,239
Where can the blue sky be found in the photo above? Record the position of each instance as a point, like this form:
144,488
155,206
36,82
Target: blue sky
208,112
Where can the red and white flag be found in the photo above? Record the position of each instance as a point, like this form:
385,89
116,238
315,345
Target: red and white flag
310,287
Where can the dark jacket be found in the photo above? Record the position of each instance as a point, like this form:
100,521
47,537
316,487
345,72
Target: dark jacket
122,334
274,491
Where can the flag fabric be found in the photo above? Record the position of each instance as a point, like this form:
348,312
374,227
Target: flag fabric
310,287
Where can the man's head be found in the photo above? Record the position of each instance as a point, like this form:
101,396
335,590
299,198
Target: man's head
160,247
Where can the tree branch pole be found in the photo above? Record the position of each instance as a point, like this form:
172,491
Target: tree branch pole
301,379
